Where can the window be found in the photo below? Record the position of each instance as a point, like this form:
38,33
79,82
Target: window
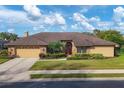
81,50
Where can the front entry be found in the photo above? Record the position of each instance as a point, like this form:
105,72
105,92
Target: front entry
68,48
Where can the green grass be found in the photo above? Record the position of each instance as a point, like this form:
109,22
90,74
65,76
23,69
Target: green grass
110,63
3,60
33,76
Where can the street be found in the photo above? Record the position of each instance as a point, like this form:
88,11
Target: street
65,84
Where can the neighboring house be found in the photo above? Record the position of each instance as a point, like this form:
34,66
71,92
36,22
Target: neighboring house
2,44
32,46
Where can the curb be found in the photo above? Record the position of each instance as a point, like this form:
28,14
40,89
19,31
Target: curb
67,79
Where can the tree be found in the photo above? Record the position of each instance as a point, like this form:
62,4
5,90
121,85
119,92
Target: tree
13,37
110,35
8,36
55,47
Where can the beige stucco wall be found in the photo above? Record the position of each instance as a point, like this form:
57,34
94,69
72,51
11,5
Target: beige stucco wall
107,51
11,51
43,49
28,51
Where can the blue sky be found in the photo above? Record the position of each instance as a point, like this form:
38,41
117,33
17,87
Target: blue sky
35,19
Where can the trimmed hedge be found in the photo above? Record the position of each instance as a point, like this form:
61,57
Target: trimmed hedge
51,56
97,56
86,56
3,53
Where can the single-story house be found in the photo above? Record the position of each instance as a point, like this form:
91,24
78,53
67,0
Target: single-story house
76,42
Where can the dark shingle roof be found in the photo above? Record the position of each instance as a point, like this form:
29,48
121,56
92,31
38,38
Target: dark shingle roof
44,38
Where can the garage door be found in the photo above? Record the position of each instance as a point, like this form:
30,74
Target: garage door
28,53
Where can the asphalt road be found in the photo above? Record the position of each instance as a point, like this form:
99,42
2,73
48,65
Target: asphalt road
65,84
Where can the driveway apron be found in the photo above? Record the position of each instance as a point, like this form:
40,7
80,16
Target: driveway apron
16,69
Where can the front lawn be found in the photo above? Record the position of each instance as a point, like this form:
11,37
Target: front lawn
33,76
2,60
110,63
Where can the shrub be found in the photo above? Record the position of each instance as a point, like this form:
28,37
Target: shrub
3,53
74,58
97,56
41,55
86,56
83,55
56,55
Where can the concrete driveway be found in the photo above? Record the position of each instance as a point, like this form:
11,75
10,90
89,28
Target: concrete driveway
16,69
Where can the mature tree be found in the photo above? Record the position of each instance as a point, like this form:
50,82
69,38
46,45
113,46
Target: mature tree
55,47
110,35
13,37
8,36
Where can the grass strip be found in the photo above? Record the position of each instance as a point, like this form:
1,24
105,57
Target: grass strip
33,76
3,60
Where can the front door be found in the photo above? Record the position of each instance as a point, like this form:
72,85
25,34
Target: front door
68,48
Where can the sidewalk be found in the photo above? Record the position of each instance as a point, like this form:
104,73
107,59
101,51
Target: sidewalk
77,71
77,79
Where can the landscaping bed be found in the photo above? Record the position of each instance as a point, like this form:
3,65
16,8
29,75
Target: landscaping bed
36,76
109,63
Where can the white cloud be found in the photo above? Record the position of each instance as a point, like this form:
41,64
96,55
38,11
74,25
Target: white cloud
121,24
40,27
94,19
63,27
104,23
85,8
87,26
55,19
11,30
49,20
33,11
60,19
35,28
20,18
13,17
80,18
75,26
118,14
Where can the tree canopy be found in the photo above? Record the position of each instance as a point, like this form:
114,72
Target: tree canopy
55,47
110,35
8,36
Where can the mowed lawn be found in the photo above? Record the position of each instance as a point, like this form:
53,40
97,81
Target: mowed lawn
110,63
2,60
